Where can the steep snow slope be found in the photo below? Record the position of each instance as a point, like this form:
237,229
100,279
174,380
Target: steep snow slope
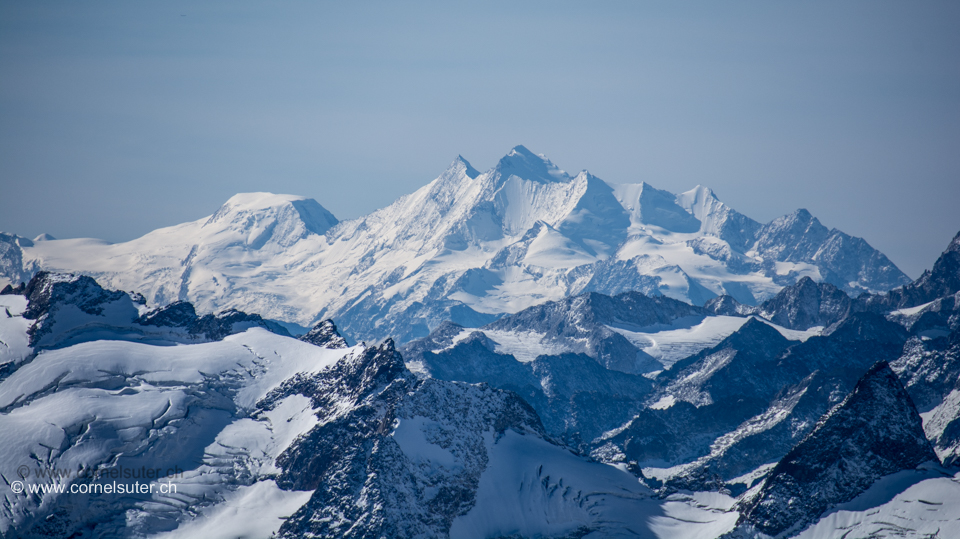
914,503
264,436
467,247
105,405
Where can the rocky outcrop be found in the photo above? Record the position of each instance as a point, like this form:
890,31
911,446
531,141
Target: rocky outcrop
875,431
393,455
942,280
325,335
803,305
69,308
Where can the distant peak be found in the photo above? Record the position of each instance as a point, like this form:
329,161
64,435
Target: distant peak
525,164
260,200
44,237
703,191
461,164
955,244
315,218
520,149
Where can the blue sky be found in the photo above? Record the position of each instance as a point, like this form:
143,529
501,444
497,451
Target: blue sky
120,117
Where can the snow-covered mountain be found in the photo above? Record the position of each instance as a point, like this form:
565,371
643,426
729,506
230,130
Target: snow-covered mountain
267,435
593,361
468,247
728,395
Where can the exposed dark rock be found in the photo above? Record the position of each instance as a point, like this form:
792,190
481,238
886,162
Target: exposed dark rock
177,314
70,308
799,306
366,486
930,370
325,335
807,304
942,280
874,432
46,291
728,306
585,318
11,290
181,314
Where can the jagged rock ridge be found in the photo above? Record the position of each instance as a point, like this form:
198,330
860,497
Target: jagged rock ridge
874,432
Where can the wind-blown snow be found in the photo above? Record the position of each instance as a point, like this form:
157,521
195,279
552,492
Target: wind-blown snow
525,345
14,342
411,435
102,403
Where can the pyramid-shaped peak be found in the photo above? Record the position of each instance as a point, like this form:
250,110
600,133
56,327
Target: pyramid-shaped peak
525,164
325,335
875,431
461,166
700,192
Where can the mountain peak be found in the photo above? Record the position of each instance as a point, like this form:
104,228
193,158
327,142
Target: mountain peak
699,193
802,214
523,163
955,244
239,209
460,164
260,200
874,432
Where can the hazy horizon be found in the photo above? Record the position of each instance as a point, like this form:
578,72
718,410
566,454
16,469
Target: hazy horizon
118,118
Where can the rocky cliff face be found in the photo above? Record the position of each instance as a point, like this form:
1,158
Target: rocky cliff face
325,334
803,305
68,309
393,455
875,431
942,280
930,370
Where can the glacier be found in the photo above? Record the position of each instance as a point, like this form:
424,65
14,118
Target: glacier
318,438
467,247
572,358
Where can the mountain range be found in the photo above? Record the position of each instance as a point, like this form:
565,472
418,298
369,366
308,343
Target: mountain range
554,357
468,248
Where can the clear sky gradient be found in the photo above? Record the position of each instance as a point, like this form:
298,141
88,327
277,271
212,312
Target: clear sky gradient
120,117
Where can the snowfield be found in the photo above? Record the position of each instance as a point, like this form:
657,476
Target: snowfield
103,404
